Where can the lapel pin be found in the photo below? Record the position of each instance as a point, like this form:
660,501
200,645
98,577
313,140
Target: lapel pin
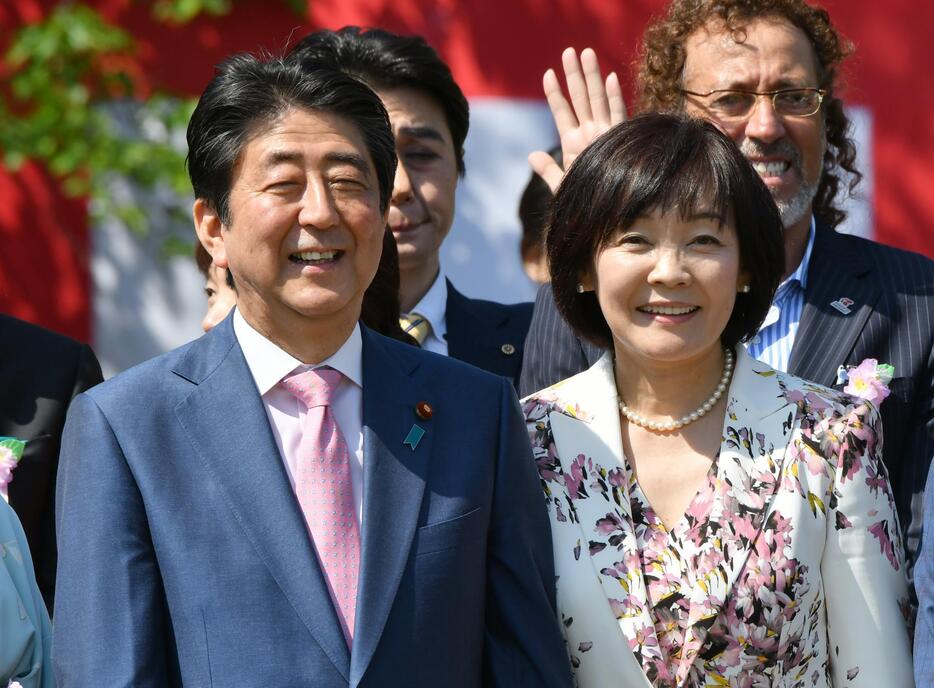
414,437
423,410
508,349
843,305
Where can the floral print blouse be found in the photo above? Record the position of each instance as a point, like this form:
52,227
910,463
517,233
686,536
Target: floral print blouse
786,569
667,566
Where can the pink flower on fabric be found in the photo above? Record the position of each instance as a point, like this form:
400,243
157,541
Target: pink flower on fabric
11,451
574,480
869,380
880,531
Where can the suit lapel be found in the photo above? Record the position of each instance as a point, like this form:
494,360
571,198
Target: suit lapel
756,432
471,337
394,482
588,447
826,336
226,421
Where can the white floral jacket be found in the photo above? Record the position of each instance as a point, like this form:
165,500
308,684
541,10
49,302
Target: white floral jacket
796,576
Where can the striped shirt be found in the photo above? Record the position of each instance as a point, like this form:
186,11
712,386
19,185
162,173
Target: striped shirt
772,344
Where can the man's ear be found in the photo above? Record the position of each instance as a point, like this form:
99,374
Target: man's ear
210,231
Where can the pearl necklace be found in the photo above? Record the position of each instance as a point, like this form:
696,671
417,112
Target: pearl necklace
702,410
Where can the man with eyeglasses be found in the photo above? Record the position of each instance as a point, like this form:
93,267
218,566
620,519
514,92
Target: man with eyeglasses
765,72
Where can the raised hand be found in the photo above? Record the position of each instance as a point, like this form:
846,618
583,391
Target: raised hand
596,105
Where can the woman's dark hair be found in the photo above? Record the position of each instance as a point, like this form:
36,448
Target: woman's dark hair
250,92
380,309
382,59
661,162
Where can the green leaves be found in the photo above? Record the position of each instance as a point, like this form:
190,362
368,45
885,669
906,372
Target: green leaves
73,102
182,11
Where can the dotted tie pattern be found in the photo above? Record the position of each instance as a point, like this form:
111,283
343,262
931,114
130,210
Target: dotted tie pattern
322,484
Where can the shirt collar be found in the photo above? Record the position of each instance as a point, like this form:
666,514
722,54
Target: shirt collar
434,305
800,275
268,363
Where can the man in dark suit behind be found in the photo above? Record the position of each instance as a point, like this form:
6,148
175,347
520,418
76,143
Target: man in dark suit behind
40,373
844,298
429,117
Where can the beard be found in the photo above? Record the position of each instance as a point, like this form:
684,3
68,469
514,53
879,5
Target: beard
792,210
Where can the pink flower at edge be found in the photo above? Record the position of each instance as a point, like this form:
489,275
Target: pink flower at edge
865,381
8,461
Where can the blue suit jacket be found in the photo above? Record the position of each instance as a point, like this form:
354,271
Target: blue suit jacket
184,558
924,586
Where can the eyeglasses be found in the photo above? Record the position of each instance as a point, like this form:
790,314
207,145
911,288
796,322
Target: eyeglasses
735,105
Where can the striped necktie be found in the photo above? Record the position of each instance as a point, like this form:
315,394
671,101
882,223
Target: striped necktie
416,325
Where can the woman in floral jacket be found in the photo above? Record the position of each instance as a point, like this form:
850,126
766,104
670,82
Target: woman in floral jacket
715,522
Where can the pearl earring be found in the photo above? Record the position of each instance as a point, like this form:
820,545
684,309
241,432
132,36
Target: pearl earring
745,289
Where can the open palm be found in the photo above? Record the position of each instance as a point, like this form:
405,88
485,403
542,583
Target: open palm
595,106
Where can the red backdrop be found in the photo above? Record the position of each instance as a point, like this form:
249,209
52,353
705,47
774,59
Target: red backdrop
495,48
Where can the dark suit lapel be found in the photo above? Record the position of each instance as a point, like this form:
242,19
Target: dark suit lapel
393,485
227,424
471,337
826,336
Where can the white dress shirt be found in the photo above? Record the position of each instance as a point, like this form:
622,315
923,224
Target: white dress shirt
269,364
432,307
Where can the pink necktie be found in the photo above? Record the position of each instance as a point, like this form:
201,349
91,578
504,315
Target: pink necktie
322,484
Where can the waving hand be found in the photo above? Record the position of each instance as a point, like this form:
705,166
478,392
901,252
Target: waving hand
596,105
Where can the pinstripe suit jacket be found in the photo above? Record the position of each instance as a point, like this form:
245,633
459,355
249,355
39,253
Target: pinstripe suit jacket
891,320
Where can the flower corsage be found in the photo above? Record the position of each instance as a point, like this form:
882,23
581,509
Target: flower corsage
11,451
869,380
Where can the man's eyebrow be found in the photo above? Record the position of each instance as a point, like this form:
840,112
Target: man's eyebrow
353,159
282,157
422,132
779,85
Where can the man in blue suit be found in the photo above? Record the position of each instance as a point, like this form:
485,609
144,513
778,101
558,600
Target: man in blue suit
190,550
429,116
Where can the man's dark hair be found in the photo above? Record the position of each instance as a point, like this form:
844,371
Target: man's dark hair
380,308
533,208
383,60
663,55
661,162
249,93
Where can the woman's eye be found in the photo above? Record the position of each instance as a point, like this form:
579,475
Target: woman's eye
632,240
707,240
